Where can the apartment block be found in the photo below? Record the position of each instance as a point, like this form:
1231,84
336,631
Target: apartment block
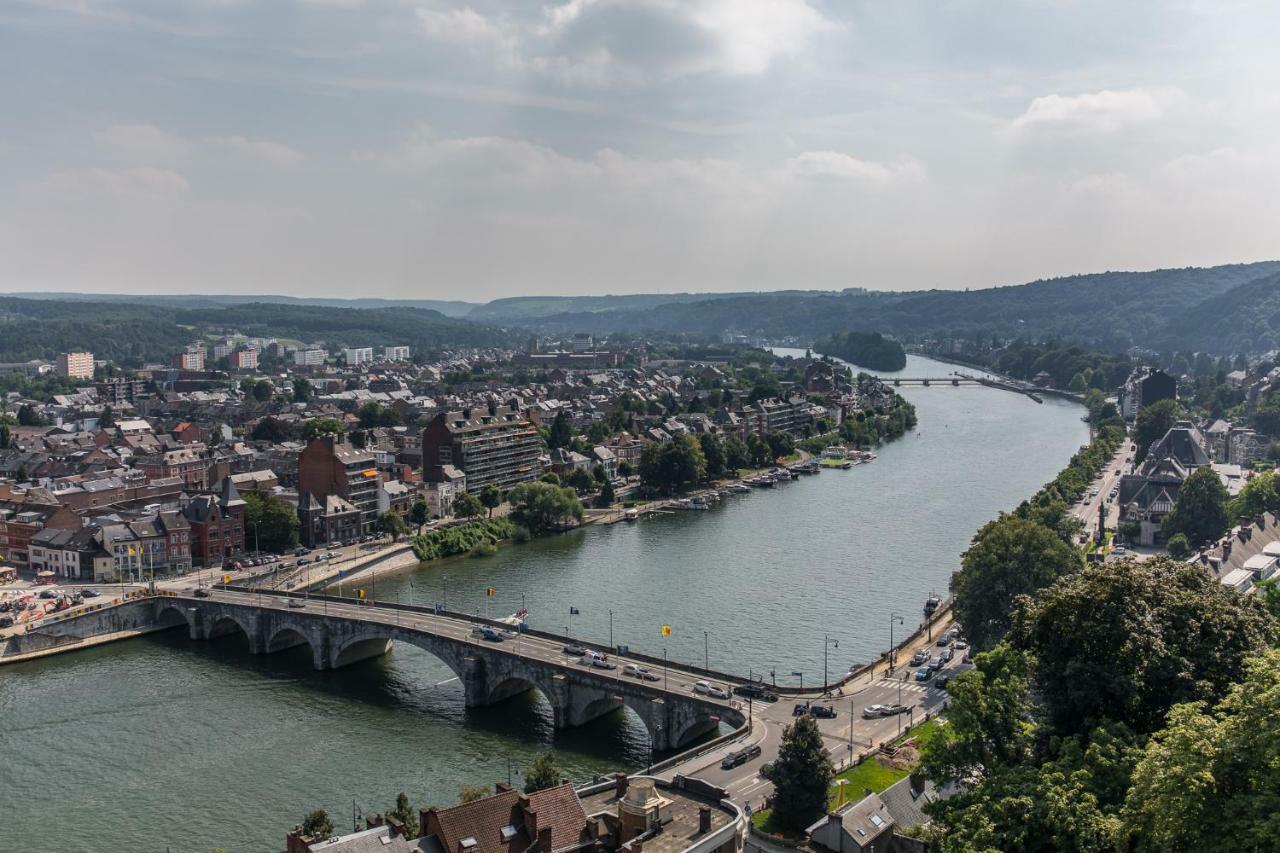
395,353
77,365
309,357
331,466
494,445
358,355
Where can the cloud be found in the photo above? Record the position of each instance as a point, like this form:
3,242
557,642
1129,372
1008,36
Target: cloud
1104,112
632,42
836,164
148,142
142,182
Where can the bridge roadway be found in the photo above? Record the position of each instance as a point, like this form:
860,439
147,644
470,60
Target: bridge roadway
340,632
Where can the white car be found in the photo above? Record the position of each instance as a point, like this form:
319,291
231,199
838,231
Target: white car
715,691
636,671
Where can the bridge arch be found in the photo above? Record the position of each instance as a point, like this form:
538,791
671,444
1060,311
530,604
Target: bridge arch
229,623
289,635
174,616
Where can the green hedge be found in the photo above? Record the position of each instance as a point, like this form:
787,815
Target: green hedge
461,538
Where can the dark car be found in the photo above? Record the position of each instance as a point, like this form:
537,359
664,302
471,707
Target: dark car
947,655
51,593
894,710
6,621
800,709
203,592
827,712
944,640
90,593
942,681
756,690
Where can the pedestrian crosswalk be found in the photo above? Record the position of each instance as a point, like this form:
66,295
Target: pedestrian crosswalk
907,687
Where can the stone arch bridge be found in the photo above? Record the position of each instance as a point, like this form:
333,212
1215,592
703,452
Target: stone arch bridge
341,632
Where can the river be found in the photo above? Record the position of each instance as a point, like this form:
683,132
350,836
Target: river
160,743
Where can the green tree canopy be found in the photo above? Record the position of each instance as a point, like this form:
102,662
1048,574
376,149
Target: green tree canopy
392,525
541,506
542,773
561,431
405,814
1125,641
1261,494
713,452
467,505
674,465
270,522
491,498
1010,556
1201,510
317,824
581,481
606,497
301,389
1210,780
317,427
801,776
420,514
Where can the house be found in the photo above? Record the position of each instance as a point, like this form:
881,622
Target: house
329,465
876,823
1145,386
217,526
327,518
548,821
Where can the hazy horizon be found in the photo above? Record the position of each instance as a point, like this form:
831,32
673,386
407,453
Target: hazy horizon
431,149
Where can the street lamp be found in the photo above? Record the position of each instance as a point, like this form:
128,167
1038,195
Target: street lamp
893,652
801,677
446,591
611,630
827,642
706,653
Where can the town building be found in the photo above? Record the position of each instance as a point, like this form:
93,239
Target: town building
309,357
355,356
120,391
1148,495
188,464
326,519
245,359
395,353
217,526
330,465
77,365
1144,387
495,445
877,823
191,358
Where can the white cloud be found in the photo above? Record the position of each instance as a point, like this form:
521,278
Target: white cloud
142,182
1105,111
469,28
837,164
148,142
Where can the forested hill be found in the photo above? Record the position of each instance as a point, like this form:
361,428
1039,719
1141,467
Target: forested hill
1113,310
133,334
868,350
1245,318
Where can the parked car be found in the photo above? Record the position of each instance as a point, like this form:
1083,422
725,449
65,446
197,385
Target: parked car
924,673
921,656
800,709
960,644
945,639
574,650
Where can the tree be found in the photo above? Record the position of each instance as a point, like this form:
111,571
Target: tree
624,469
301,389
1261,494
107,419
801,776
542,774
467,505
1010,556
713,452
597,432
317,427
491,497
673,465
4,437
420,514
541,506
606,497
272,521
1126,641
273,430
1152,423
1201,509
317,825
392,525
581,481
780,444
1179,547
262,390
758,450
28,416
736,454
561,432
471,793
405,815
551,477
1210,780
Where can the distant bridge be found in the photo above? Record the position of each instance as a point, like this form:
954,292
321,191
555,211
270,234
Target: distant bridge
341,632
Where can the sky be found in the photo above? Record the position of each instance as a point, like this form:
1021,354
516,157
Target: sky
475,150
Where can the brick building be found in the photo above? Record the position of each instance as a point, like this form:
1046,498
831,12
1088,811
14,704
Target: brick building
217,526
330,465
490,446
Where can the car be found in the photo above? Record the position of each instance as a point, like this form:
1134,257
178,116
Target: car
894,710
702,687
492,635
602,662
920,657
1120,549
718,692
944,640
924,673
203,592
800,709
90,593
766,770
304,562
935,664
947,655
756,690
732,760
960,644
827,712
636,671
6,621
873,712
574,650
50,593
942,681
297,602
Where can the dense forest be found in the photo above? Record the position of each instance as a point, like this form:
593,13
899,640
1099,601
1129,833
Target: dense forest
131,334
869,350
1225,309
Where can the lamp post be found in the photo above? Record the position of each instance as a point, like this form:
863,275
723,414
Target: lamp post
611,631
446,591
893,652
706,653
800,675
664,669
827,642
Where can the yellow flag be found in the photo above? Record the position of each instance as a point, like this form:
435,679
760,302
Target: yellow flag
666,630
491,592
362,592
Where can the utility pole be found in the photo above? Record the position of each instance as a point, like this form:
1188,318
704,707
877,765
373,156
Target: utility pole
706,653
611,630
827,642
893,652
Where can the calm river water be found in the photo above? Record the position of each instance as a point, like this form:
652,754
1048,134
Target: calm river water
162,744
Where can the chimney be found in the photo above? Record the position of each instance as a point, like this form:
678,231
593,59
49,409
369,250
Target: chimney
704,820
544,840
501,787
620,785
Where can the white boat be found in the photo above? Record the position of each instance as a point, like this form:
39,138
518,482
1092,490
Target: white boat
737,488
698,502
632,514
